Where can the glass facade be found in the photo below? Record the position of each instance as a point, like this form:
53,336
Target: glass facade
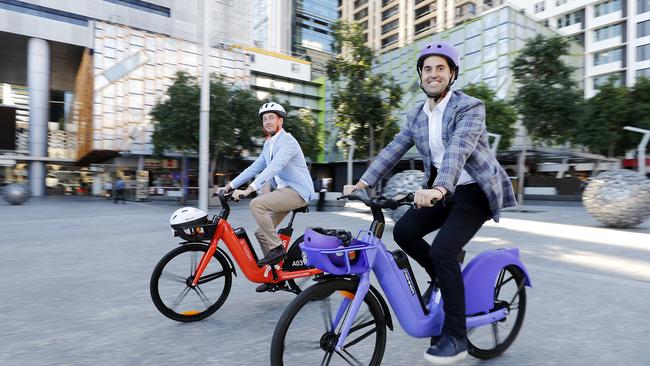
312,26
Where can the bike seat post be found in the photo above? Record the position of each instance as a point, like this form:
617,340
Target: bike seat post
293,215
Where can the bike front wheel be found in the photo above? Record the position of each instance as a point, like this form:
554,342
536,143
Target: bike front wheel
491,340
311,325
171,289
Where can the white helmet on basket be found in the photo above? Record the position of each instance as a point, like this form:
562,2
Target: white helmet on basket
187,217
272,107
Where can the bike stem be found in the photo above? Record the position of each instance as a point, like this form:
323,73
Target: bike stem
359,295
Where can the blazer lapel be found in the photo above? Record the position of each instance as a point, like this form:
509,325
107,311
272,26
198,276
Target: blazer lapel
450,111
422,125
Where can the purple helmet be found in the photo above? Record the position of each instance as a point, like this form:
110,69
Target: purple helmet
444,49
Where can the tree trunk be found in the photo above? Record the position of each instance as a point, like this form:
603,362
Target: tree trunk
521,167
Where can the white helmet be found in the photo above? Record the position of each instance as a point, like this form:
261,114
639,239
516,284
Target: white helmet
188,217
272,107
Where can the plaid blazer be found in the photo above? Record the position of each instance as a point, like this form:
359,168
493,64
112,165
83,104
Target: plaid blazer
465,139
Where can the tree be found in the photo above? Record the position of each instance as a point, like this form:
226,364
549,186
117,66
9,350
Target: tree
640,94
500,116
605,115
548,98
233,118
363,101
304,127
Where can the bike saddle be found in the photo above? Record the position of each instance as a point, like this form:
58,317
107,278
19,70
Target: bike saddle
301,209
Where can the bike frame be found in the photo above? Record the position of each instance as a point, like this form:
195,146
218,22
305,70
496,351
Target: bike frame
245,256
479,277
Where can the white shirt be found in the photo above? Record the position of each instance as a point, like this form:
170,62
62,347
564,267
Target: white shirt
435,136
278,181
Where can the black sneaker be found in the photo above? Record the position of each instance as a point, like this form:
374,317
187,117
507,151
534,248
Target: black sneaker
264,287
274,256
448,350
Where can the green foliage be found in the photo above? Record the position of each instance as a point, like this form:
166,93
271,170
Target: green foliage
614,107
605,115
233,118
640,96
176,118
304,127
363,101
548,99
500,116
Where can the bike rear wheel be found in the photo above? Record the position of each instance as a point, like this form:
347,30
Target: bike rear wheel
308,329
171,289
491,340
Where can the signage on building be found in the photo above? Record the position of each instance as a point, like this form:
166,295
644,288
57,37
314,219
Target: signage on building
151,163
170,163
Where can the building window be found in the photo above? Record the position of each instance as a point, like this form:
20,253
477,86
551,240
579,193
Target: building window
389,40
643,52
643,73
642,6
424,26
389,26
560,2
539,7
385,2
359,3
607,7
616,78
643,29
605,57
422,11
569,19
364,25
608,32
389,12
361,14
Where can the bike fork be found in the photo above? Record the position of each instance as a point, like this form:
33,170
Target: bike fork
359,295
204,263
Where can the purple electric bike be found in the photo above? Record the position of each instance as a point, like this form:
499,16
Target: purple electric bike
343,318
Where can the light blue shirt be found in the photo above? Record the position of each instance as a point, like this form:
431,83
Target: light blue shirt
288,164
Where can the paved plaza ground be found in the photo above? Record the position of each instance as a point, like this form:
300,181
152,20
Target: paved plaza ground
74,289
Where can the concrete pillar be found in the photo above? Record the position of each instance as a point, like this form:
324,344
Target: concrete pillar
38,86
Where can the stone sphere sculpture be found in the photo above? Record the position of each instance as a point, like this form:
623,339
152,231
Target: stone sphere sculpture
403,182
16,194
618,198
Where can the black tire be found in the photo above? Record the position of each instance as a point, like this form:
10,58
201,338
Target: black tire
178,301
295,343
490,341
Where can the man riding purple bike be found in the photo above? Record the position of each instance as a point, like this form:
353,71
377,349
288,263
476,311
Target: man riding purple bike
463,187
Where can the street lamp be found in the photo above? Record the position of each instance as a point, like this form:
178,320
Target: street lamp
350,157
495,142
641,147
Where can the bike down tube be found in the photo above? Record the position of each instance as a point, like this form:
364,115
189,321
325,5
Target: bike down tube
209,253
359,295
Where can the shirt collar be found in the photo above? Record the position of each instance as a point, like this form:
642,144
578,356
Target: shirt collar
440,107
274,138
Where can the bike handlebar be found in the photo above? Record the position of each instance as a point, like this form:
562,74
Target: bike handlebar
400,199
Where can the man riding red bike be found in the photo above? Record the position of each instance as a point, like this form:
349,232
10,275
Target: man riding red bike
282,165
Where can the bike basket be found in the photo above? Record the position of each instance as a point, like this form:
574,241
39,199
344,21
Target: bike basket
328,253
197,233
